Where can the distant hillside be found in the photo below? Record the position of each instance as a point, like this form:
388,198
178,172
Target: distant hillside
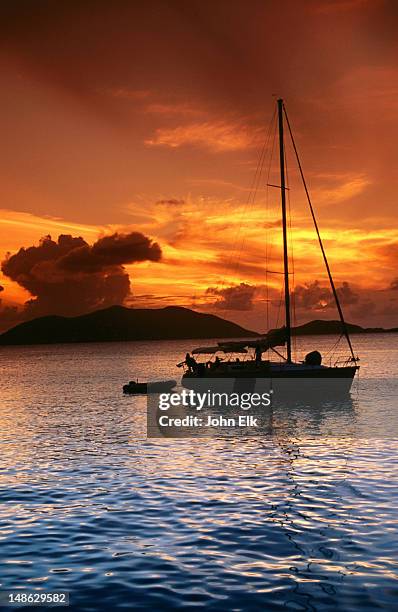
318,327
118,323
172,323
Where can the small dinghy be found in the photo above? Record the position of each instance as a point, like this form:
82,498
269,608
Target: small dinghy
142,388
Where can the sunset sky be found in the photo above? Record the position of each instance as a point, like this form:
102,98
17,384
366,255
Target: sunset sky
137,126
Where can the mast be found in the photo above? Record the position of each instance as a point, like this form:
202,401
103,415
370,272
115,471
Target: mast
284,227
331,281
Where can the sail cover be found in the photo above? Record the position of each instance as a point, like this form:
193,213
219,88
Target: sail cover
275,337
206,350
209,350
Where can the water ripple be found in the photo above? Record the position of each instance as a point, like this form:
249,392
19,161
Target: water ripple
290,520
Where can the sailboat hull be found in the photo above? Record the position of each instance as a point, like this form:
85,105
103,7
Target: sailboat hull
283,380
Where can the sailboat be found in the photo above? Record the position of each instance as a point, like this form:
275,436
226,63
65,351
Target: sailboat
311,370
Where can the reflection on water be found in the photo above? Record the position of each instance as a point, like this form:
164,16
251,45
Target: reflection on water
302,517
326,418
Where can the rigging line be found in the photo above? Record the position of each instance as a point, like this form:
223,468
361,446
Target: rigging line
260,166
279,308
335,295
268,248
255,183
250,199
266,224
247,203
292,294
330,351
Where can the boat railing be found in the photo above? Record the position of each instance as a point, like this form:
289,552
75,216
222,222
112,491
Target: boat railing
343,362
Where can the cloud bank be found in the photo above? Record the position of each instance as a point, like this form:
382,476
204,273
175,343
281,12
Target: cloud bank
238,297
69,277
314,297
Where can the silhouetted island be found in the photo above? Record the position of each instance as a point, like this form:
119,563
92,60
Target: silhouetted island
118,323
320,327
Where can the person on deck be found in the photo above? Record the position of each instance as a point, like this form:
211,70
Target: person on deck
258,353
190,362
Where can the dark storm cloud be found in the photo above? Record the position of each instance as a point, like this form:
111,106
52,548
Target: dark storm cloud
69,277
238,297
114,250
313,296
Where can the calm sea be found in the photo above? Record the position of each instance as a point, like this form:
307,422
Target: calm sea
304,517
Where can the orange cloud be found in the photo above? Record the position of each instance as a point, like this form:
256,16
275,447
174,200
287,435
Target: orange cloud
222,243
218,136
348,188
